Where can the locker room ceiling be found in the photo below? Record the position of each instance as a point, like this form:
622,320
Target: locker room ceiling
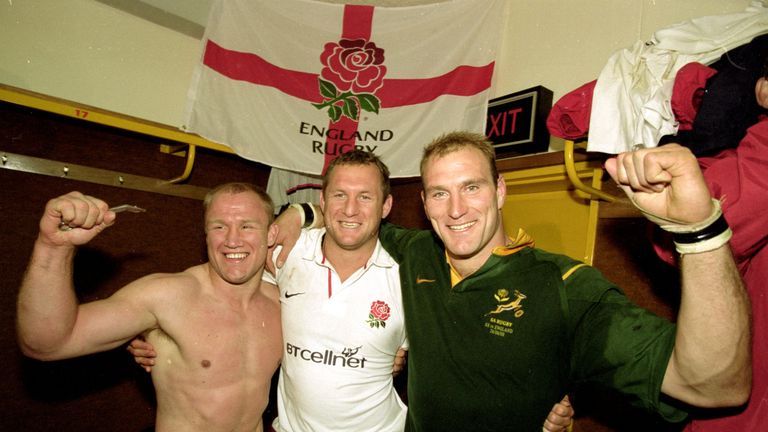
189,16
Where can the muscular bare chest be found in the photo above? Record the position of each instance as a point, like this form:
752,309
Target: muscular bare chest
215,345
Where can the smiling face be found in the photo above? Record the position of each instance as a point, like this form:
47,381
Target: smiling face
463,202
238,232
354,203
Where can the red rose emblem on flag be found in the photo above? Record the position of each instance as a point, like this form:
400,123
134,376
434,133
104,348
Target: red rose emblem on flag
352,71
379,314
356,65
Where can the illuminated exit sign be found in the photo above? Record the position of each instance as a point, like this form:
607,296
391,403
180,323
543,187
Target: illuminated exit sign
517,123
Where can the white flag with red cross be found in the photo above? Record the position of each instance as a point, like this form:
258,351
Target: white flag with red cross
294,83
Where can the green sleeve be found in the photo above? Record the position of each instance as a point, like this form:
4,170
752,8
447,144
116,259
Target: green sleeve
396,239
617,344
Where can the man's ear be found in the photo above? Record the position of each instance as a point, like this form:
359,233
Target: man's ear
272,232
501,191
387,206
761,92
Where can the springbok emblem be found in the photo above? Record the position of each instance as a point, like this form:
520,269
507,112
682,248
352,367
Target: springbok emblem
502,296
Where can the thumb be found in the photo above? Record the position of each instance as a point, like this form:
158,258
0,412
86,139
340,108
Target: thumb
281,257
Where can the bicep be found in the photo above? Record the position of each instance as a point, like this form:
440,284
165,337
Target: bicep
106,324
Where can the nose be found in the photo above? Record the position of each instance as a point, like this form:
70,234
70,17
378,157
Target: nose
350,207
456,206
232,240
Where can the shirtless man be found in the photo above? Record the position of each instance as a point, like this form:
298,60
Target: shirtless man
215,326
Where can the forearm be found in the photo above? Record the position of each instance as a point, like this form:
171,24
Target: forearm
711,361
307,215
47,305
289,223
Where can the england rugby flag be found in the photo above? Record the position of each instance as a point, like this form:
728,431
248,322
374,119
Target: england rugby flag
294,83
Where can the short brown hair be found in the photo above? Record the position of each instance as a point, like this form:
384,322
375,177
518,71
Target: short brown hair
455,141
360,157
238,187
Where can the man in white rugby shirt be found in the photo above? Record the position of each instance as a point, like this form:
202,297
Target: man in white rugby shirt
342,310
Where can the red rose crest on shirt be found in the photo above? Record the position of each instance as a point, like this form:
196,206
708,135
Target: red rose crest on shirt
379,314
353,71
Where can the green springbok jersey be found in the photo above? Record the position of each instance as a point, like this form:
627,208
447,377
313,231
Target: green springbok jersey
495,351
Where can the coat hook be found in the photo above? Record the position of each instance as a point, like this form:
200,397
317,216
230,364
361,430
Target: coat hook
5,159
66,170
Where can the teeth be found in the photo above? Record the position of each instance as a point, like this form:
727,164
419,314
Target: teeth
236,256
462,226
350,224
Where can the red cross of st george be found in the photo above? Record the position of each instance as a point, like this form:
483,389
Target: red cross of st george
357,23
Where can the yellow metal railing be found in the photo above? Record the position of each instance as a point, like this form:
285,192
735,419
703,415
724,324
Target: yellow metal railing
543,201
96,115
574,178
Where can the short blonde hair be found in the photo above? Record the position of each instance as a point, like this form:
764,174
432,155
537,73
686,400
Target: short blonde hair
455,141
238,187
360,158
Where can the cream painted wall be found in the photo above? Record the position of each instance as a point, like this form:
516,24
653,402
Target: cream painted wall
564,44
91,53
85,51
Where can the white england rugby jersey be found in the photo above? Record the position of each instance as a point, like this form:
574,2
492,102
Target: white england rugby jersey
339,343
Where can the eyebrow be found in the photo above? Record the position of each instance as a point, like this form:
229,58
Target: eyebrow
467,182
348,192
222,221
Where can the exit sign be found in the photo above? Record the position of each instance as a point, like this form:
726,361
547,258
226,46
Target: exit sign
517,123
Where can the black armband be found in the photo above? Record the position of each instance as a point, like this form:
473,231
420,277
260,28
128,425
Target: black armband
307,212
709,238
